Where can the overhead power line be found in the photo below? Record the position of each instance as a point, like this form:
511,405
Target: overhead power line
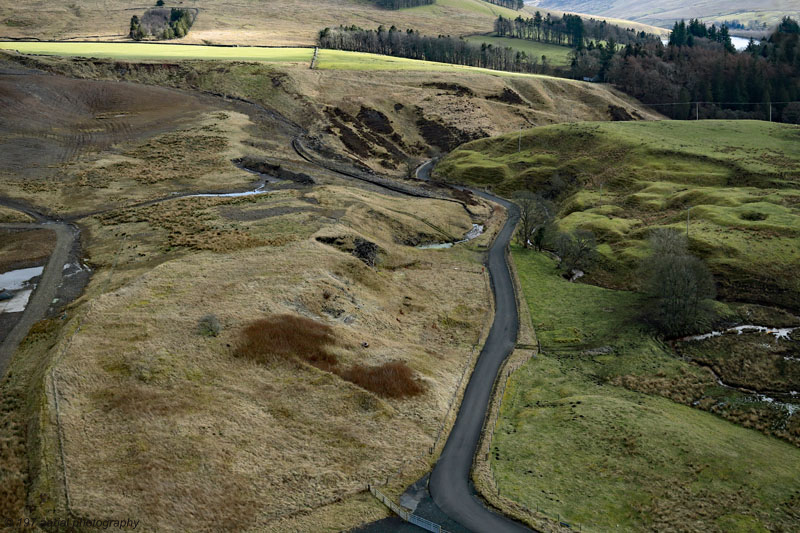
722,103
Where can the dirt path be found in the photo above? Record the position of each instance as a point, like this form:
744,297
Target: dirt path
46,289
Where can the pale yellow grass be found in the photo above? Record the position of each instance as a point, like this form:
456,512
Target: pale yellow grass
252,22
24,248
12,215
288,22
165,424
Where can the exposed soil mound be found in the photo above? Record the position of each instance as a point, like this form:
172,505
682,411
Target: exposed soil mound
459,90
363,249
366,250
508,96
50,120
620,114
375,120
444,137
369,134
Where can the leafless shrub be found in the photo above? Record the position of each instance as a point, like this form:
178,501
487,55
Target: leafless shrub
394,379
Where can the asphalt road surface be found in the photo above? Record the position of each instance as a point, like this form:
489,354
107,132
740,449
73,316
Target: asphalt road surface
449,486
449,483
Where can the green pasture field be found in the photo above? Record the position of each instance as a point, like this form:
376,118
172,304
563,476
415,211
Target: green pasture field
327,59
574,445
556,55
153,51
343,60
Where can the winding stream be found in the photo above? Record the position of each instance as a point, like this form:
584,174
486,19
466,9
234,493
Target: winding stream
779,333
790,401
476,231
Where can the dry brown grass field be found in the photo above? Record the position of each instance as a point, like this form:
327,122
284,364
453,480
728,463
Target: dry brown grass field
382,118
207,439
24,248
250,22
11,216
162,422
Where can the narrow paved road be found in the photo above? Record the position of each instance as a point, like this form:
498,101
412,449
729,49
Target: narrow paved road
449,483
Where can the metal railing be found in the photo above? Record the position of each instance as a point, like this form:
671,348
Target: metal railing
405,514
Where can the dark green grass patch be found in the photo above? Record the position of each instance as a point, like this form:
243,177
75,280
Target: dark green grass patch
575,439
737,182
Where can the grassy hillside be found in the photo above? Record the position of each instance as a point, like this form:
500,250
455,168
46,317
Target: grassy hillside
740,179
606,408
665,12
571,441
139,360
250,22
217,441
420,109
288,22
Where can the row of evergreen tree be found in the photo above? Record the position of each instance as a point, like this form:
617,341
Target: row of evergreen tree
685,34
761,82
510,4
402,4
444,49
569,30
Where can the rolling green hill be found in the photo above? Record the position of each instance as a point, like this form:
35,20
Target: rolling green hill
665,12
741,180
608,427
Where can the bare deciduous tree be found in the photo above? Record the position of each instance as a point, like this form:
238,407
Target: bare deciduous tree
576,250
679,284
536,214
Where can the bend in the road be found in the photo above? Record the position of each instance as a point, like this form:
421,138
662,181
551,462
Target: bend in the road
45,291
449,483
